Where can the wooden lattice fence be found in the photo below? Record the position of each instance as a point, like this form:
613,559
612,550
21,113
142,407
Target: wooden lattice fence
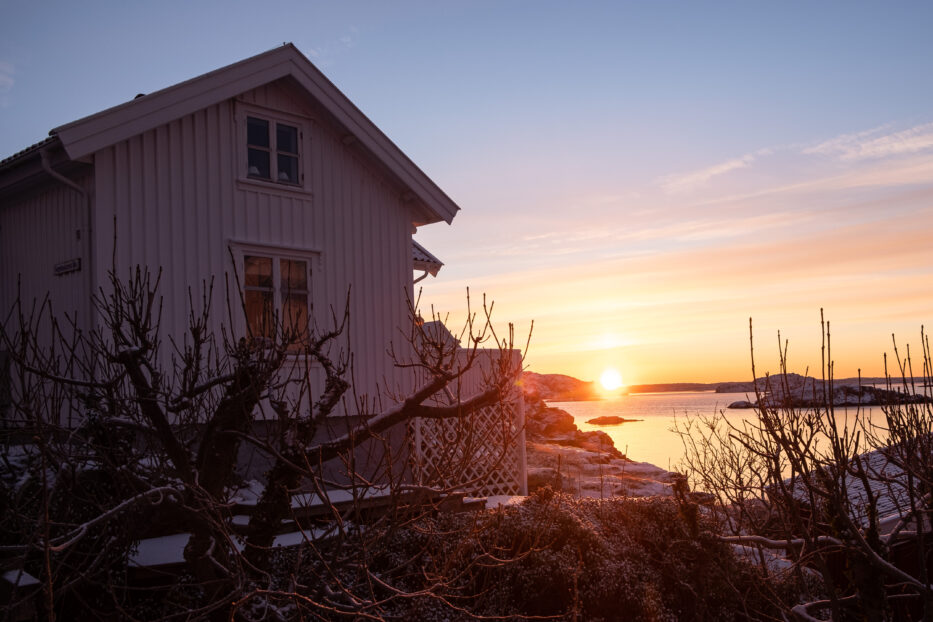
482,453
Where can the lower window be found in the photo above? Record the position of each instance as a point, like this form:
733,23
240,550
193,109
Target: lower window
276,296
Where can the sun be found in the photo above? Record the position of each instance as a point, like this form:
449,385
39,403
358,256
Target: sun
610,379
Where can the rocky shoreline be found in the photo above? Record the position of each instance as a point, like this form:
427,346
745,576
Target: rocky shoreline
796,391
588,464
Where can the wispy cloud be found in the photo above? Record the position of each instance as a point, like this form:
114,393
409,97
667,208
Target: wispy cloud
875,143
688,181
324,54
350,36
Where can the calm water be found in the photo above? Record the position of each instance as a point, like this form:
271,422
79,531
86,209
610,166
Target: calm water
652,440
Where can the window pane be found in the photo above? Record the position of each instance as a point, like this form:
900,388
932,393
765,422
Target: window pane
259,165
288,169
259,312
257,132
295,314
286,139
258,271
294,275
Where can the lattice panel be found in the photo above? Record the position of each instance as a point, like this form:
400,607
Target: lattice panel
482,453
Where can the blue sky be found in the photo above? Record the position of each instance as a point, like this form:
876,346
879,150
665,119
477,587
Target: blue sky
640,178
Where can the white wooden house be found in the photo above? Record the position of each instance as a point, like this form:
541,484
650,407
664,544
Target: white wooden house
262,168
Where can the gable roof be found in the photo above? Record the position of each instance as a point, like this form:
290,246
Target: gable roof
85,136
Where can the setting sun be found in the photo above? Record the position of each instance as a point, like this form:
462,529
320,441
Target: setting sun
611,379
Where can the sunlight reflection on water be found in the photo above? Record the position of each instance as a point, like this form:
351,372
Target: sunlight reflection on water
651,440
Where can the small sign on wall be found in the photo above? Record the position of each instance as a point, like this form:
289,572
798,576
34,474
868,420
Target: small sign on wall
66,267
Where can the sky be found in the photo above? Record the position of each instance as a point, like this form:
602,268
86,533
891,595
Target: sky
638,178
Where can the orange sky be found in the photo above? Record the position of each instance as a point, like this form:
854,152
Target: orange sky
662,288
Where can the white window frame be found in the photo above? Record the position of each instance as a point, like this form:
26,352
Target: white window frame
241,250
273,118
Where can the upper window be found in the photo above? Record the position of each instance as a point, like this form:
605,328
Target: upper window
272,151
276,295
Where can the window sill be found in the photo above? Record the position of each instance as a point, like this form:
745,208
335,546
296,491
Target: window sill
247,183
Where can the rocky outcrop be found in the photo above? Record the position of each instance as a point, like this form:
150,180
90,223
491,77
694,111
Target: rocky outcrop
796,391
557,387
556,426
562,456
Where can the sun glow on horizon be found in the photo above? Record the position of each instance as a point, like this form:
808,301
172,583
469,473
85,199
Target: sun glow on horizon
610,379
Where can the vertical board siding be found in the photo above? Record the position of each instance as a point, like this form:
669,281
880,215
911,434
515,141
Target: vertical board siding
37,232
178,201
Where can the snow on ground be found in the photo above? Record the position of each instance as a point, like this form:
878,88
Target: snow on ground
593,474
167,550
494,501
160,551
774,562
20,578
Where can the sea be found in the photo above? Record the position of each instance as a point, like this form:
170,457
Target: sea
652,439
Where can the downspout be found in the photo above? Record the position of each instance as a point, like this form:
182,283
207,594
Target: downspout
421,278
47,167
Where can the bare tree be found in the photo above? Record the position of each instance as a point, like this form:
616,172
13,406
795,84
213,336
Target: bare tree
123,433
844,497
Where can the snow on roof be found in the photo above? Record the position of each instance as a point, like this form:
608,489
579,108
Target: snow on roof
886,483
892,499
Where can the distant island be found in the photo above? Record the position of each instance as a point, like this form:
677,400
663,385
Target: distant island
563,388
610,420
796,391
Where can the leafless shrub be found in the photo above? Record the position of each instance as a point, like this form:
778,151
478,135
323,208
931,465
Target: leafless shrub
844,498
122,433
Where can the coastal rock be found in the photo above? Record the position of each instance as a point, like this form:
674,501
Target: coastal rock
539,477
549,422
556,387
610,420
871,396
563,457
796,391
598,441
